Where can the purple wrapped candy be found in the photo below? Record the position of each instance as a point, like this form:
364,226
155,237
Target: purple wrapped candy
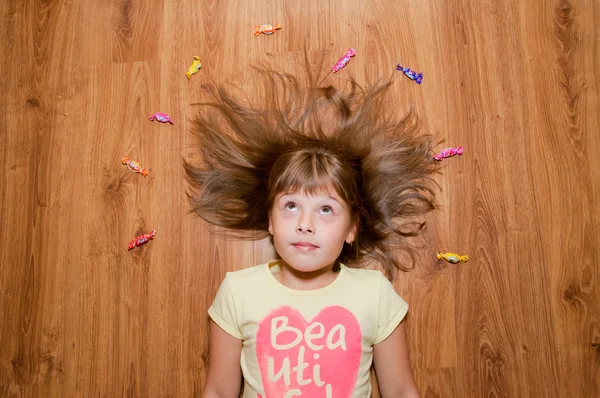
411,74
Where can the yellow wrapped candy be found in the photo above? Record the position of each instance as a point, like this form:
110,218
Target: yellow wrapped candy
194,67
452,258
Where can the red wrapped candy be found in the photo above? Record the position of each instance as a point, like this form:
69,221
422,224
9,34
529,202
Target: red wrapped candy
140,240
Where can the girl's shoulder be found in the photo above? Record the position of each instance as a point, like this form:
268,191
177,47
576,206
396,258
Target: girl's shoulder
365,277
364,272
247,274
248,279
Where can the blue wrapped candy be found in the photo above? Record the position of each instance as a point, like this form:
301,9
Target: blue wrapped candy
411,74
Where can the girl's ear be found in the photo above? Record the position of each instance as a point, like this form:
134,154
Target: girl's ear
351,233
270,224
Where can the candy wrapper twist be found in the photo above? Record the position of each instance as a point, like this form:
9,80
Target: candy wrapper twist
411,74
344,60
266,29
142,239
194,67
452,258
448,152
161,117
134,166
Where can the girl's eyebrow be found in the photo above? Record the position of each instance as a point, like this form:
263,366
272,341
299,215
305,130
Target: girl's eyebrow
323,196
331,197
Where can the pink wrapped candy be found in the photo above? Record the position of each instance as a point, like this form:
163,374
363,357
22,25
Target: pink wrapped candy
344,60
448,152
161,117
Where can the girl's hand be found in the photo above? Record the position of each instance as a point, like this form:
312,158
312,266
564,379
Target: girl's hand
392,366
224,378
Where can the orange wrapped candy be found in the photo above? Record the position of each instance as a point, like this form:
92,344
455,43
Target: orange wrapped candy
134,166
266,29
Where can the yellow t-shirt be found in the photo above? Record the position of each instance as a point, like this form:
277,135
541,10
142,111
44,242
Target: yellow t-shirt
309,343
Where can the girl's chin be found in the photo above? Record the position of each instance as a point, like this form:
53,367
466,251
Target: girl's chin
306,268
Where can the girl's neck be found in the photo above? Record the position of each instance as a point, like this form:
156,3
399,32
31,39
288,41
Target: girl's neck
297,280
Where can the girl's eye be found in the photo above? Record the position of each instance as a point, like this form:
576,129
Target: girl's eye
291,206
326,210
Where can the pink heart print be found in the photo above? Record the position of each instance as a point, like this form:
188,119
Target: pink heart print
312,359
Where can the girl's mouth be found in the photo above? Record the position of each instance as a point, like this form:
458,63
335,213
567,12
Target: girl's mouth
305,246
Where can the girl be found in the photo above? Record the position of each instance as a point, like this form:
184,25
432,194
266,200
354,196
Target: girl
335,182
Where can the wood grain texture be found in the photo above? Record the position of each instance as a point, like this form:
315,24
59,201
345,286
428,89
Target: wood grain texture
515,83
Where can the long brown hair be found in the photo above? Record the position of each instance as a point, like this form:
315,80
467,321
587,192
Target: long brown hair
309,136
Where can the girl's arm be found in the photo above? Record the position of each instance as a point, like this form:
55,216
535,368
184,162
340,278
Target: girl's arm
224,377
392,366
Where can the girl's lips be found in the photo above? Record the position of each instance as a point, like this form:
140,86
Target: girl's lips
305,246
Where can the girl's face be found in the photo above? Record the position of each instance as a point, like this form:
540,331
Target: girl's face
309,231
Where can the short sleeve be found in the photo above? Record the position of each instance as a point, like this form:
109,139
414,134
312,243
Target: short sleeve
392,309
222,311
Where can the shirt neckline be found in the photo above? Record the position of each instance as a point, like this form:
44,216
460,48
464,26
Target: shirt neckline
310,292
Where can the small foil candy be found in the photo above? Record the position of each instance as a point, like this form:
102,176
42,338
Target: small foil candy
266,29
411,74
344,60
140,240
448,152
452,258
161,117
194,67
134,166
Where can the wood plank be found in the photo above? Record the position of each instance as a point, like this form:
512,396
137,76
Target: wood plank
515,83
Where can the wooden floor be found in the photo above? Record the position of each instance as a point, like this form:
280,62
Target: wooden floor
515,82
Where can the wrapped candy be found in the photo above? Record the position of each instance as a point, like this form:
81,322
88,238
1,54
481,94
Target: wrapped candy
194,67
448,152
161,117
140,240
344,60
266,29
134,166
452,258
411,74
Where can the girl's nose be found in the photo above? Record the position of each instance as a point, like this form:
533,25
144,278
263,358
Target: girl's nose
304,230
305,226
